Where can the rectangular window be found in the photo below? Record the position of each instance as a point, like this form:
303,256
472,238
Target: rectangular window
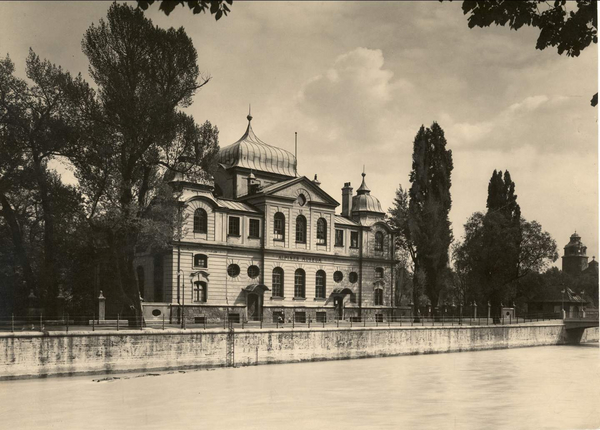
254,228
300,317
379,317
234,318
278,317
199,320
339,237
234,226
321,317
353,239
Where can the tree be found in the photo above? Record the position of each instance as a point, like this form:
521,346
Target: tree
145,75
485,263
570,31
428,224
37,123
218,8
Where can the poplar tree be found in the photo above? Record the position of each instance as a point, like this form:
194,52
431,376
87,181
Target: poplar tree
429,206
139,136
502,238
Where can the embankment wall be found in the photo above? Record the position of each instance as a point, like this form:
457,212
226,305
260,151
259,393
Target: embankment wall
25,355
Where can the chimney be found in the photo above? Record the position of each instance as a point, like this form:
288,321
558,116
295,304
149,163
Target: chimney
347,200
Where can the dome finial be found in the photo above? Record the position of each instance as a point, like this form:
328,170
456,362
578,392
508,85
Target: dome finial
363,173
249,117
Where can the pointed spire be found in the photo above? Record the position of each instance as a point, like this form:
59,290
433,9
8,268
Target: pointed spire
249,117
363,189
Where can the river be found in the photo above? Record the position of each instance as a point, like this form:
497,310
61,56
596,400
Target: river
554,387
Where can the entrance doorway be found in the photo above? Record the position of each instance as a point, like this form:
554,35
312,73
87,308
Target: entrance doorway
254,308
338,303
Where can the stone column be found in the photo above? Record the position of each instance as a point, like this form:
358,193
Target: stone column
101,307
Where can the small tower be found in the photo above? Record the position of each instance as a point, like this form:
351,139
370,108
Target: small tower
366,208
575,259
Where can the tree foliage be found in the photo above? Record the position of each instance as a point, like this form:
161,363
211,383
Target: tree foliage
37,124
570,31
126,138
145,75
500,247
218,8
429,228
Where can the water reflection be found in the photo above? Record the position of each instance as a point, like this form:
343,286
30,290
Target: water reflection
554,387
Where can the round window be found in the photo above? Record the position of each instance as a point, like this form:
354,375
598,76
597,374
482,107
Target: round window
301,200
353,277
156,312
233,270
253,271
338,276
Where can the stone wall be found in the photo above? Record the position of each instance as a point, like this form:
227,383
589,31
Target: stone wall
38,355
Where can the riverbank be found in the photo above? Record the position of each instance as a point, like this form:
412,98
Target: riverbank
26,355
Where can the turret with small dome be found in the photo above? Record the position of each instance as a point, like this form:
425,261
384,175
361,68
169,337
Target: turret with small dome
575,259
366,207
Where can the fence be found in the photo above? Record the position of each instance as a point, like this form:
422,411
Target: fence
66,323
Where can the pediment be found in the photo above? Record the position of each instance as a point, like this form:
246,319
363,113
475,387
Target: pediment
298,187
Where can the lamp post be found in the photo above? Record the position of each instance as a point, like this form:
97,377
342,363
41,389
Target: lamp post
563,302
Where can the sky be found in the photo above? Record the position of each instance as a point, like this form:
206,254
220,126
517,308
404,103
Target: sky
356,80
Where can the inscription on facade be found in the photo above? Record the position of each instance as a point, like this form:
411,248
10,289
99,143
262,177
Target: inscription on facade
298,258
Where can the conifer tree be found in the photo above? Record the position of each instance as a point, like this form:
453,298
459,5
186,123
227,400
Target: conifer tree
429,206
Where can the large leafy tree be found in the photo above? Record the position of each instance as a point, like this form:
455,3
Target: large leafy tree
430,202
37,124
500,247
570,29
145,76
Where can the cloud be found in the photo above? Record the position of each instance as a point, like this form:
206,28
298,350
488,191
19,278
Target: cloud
351,99
544,123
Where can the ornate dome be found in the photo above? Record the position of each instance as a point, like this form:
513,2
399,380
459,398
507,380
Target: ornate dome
575,245
363,201
252,153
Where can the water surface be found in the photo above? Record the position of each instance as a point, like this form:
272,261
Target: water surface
555,387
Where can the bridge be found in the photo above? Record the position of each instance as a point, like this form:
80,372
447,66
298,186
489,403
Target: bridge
575,326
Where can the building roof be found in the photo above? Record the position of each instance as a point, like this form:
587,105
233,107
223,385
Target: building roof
341,220
575,242
555,294
236,206
252,153
363,201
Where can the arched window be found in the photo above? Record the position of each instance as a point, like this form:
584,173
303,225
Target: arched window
279,226
141,279
200,219
200,293
301,229
379,241
321,231
379,272
277,283
201,260
299,284
320,284
378,299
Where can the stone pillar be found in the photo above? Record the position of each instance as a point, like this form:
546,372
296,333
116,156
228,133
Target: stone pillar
489,310
31,307
474,309
60,305
101,307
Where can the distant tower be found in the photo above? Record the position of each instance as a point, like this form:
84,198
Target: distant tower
575,260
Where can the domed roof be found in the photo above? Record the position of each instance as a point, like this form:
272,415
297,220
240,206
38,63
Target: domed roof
363,201
575,241
252,153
